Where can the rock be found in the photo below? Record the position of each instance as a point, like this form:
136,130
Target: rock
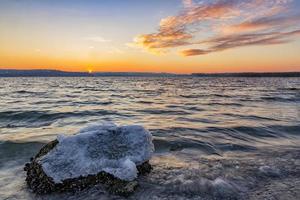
269,171
224,190
107,154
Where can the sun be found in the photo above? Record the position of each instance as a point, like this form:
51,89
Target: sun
90,71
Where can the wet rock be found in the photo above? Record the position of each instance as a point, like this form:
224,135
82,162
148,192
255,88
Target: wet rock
224,190
39,181
269,171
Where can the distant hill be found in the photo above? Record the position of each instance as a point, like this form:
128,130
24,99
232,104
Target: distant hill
40,73
250,74
58,73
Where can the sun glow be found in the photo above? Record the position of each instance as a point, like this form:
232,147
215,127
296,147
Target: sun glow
90,71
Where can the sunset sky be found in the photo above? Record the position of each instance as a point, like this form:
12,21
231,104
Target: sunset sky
180,36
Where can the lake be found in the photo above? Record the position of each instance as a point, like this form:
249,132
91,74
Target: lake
215,138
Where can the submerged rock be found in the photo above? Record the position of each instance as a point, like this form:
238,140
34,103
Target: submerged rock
107,154
269,171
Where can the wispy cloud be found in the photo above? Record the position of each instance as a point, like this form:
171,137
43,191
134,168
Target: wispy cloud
231,41
97,39
223,24
262,23
187,3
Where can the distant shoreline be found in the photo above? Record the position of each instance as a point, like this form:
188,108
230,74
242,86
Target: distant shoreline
58,73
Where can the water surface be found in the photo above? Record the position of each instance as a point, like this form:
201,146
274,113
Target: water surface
234,138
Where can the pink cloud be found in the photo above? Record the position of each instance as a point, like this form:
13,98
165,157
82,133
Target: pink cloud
228,20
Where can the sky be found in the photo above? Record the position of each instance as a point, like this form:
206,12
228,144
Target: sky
178,36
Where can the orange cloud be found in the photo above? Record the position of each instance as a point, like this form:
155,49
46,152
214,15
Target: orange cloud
164,39
194,52
262,23
228,19
172,31
232,41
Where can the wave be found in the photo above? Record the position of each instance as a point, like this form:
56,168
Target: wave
145,102
240,132
163,112
199,96
223,104
290,89
193,96
243,138
30,92
11,119
235,147
282,99
202,120
249,117
178,144
271,131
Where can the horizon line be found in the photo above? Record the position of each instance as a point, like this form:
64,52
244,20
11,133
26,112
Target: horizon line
149,72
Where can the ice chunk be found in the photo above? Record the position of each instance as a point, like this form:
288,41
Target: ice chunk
105,147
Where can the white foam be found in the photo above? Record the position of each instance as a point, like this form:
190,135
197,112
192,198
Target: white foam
101,147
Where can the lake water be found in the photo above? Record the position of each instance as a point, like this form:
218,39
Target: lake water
215,138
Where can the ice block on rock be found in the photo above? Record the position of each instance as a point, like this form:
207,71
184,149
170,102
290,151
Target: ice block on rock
102,153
